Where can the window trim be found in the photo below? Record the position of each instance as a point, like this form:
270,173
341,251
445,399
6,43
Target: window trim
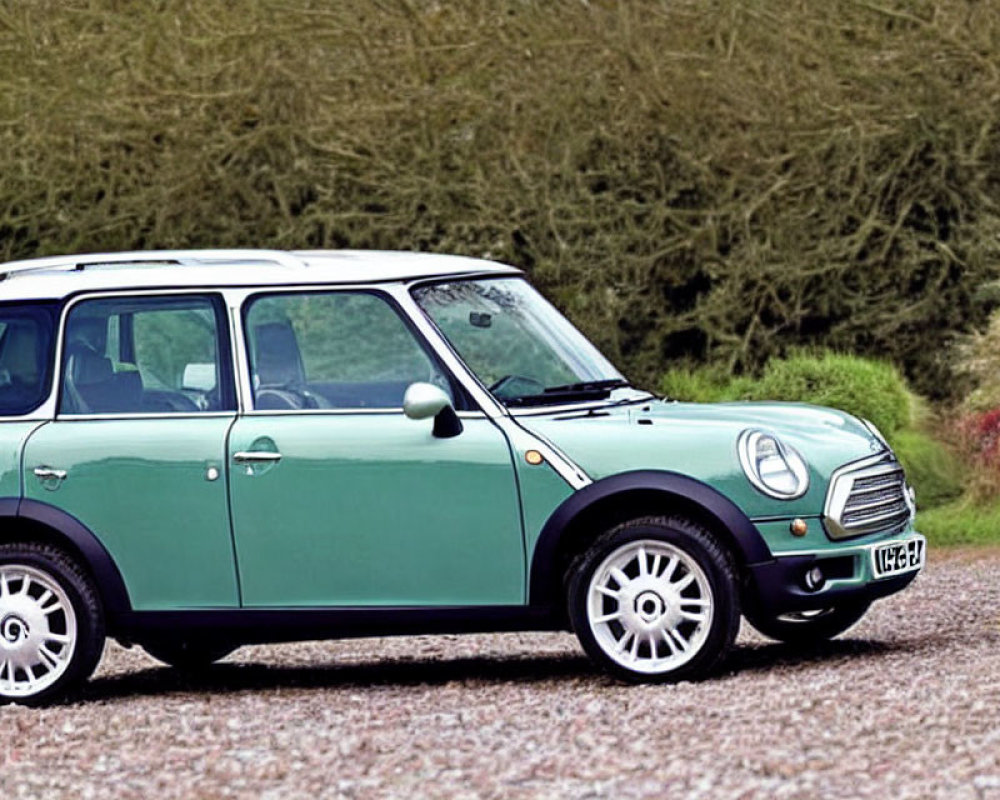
227,375
464,404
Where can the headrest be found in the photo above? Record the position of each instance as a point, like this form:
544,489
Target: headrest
278,360
87,369
91,331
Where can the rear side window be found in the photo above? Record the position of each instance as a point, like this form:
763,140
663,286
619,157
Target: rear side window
25,358
146,355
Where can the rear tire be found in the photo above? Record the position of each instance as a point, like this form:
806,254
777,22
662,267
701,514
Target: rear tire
808,627
187,655
655,599
51,624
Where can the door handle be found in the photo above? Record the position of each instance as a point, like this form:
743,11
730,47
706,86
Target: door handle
256,457
45,473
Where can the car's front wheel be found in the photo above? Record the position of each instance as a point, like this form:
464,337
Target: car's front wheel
808,627
51,624
655,599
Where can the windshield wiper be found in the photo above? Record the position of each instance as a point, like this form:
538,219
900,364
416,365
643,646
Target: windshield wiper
586,390
588,386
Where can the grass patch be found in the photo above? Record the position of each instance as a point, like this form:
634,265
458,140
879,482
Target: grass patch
961,523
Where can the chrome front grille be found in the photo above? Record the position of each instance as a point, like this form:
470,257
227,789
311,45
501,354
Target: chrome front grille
868,498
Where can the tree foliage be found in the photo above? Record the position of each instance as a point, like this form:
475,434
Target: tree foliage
692,180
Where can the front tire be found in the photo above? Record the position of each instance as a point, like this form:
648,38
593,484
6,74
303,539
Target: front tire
654,600
808,627
51,624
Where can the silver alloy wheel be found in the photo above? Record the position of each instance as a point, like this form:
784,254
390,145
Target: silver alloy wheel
37,631
650,606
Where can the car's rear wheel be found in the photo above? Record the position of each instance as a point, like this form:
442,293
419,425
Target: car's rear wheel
808,627
188,655
51,624
655,599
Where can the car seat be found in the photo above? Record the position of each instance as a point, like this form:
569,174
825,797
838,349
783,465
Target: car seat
279,374
92,386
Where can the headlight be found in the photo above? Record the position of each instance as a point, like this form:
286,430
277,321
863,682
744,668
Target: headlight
876,433
772,466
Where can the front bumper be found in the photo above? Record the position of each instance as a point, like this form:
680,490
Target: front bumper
778,587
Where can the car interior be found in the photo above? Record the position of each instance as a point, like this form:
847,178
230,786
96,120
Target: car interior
280,381
95,383
24,357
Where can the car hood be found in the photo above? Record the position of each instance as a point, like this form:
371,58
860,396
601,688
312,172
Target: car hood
700,440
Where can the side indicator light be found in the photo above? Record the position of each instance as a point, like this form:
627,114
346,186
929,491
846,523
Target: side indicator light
799,527
533,457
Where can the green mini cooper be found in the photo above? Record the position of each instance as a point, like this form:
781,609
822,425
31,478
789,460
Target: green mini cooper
205,449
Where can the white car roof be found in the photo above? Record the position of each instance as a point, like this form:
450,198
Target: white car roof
59,276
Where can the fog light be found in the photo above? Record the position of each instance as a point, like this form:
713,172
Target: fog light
815,579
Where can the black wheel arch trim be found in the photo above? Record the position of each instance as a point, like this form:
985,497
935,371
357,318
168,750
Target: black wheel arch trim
543,580
108,579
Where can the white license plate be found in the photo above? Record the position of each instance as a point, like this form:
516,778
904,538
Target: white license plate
898,557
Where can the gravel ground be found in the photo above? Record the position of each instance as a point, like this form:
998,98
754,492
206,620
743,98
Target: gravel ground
905,705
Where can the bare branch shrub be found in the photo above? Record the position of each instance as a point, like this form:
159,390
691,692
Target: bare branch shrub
691,181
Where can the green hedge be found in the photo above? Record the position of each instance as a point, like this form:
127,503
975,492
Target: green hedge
937,475
869,389
872,390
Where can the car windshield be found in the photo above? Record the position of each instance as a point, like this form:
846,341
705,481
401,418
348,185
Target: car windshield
518,344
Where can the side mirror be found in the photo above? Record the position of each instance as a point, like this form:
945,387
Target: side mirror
424,400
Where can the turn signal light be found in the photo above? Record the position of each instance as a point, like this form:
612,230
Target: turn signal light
533,457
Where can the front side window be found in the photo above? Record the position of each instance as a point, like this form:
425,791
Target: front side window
522,349
25,358
148,355
333,350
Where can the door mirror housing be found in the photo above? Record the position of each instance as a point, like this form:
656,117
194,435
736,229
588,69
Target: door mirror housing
424,400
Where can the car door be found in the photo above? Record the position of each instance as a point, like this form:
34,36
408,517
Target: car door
137,449
337,498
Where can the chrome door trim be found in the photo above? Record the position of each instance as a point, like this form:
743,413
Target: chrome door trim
341,412
143,415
